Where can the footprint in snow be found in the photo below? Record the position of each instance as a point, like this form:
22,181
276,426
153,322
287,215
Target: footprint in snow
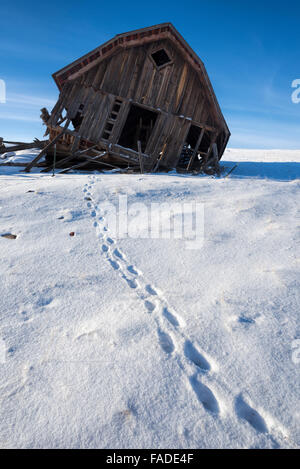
192,354
150,306
132,270
165,342
150,290
245,412
118,254
175,320
114,264
245,320
131,283
205,395
41,302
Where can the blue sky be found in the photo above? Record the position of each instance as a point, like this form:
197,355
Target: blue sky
250,49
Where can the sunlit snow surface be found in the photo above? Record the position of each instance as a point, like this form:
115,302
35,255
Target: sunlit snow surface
142,343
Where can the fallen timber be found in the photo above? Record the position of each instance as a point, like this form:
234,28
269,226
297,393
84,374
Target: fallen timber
17,146
114,156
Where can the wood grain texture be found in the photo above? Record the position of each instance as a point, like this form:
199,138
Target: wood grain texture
175,91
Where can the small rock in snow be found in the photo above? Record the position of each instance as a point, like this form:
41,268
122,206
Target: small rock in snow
9,236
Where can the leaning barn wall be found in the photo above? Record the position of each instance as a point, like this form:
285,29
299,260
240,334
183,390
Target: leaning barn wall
175,89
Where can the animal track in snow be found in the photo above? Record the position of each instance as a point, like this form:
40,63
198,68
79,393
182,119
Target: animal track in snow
132,270
245,412
205,395
167,319
150,290
245,320
44,301
145,291
149,306
175,320
114,264
131,282
192,354
118,254
165,342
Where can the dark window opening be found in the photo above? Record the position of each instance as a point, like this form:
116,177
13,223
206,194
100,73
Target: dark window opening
190,145
108,129
116,106
106,135
193,135
138,126
160,57
77,121
185,156
205,142
109,126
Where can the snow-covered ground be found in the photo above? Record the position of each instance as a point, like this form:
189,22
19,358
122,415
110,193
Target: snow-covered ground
24,156
143,343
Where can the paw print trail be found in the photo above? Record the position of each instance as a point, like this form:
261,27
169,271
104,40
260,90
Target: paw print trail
174,343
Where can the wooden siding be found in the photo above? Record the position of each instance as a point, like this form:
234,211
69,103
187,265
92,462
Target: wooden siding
175,91
175,88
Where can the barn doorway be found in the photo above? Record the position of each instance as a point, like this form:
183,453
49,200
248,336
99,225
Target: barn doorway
195,148
138,127
189,147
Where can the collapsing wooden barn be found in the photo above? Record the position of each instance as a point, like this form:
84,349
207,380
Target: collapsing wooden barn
143,100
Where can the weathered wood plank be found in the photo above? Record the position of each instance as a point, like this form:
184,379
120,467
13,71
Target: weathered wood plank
94,159
47,147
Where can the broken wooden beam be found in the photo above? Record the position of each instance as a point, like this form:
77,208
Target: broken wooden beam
44,151
17,146
84,163
68,158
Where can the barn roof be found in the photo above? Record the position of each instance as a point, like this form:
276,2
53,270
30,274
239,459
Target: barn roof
131,39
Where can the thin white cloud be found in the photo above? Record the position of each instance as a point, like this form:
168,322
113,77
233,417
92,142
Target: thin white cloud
32,101
19,117
44,52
